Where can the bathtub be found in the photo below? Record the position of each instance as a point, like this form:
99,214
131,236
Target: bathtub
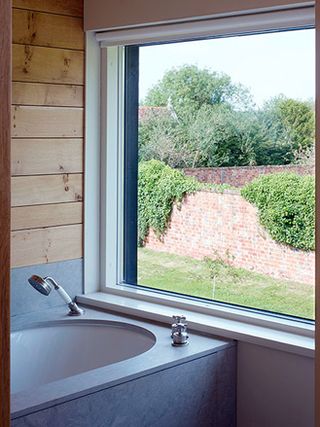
103,369
56,350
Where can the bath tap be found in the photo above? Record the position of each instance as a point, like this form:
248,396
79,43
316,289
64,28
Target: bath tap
43,286
176,319
179,332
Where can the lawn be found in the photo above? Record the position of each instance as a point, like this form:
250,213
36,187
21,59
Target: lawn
216,280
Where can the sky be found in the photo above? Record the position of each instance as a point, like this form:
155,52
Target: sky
267,64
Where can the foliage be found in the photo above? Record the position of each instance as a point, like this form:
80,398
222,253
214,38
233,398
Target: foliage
289,126
306,157
209,121
188,88
217,136
161,138
159,187
220,136
286,204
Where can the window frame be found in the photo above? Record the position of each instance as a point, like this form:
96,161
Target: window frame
105,269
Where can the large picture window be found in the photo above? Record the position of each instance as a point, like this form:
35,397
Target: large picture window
219,170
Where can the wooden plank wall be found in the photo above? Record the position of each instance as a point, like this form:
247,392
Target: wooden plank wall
47,131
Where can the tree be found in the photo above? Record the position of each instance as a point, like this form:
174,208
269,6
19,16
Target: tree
220,136
161,137
289,127
186,89
205,120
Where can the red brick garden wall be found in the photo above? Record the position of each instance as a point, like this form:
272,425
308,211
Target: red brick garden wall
239,176
209,223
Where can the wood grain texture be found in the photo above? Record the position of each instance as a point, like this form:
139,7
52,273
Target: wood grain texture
41,246
46,156
43,189
42,29
62,7
47,129
47,95
28,217
46,122
47,65
5,91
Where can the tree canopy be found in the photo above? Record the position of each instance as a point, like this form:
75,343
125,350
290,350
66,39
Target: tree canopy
210,121
189,88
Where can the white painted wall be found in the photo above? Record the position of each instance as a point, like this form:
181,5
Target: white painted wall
101,15
275,388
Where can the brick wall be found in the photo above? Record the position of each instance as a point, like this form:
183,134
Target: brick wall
209,223
239,176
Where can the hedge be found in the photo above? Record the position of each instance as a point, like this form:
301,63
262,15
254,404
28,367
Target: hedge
159,187
286,204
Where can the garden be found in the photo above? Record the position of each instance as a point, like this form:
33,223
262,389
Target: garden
199,118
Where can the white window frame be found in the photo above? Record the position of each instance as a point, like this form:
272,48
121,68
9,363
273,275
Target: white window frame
103,203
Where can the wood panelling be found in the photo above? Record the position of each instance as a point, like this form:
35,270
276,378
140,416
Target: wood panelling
26,217
47,131
46,156
5,93
62,7
46,122
43,189
42,29
47,94
47,65
39,246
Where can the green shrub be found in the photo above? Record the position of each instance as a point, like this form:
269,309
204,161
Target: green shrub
159,187
286,204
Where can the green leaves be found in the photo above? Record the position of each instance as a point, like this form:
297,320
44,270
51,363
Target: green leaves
188,88
202,119
289,129
159,187
286,204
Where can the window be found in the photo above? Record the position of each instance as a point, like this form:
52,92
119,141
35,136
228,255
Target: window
182,214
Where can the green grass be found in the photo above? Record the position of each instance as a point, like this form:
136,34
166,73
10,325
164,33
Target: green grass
217,280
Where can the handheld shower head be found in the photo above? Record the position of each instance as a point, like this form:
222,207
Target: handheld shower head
43,285
40,284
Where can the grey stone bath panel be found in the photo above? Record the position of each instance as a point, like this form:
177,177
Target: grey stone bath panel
25,299
198,393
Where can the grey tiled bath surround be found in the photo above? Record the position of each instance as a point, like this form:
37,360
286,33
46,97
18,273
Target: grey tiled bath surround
163,387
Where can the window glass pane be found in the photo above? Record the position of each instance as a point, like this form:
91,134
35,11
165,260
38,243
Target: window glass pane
226,170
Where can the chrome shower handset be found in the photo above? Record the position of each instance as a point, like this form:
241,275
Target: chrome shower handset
43,285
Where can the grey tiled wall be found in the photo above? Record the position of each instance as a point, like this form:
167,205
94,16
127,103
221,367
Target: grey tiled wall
25,299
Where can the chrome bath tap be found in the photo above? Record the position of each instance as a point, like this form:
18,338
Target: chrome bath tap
179,332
